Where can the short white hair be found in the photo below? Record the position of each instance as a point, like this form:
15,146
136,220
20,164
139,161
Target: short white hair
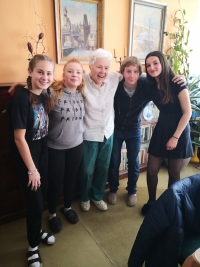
99,53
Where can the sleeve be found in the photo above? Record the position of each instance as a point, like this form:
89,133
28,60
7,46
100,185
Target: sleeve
177,88
158,222
119,76
147,88
19,111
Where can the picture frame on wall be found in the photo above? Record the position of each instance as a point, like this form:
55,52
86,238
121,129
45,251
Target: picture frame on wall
79,28
146,27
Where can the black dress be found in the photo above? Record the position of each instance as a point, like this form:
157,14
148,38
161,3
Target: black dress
168,120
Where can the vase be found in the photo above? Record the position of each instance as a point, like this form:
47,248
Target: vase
194,158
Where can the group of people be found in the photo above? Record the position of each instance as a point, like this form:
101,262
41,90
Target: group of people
80,123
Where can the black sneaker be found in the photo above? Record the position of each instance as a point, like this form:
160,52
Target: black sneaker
70,215
55,225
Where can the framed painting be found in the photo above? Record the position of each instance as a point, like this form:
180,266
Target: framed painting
147,24
79,28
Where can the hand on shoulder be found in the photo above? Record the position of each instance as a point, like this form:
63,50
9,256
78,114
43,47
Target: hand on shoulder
180,79
15,87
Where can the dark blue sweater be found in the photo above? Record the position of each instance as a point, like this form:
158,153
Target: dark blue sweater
128,109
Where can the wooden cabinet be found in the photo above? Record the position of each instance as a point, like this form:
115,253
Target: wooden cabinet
12,199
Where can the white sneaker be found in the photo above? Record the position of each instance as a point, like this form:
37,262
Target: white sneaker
85,205
101,205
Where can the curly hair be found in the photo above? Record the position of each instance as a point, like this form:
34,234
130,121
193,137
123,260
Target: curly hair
99,53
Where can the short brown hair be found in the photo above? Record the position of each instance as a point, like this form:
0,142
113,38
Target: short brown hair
131,61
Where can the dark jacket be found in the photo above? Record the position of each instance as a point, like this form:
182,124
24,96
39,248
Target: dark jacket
128,109
175,214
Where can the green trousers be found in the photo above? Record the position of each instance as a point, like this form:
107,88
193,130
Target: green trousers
94,168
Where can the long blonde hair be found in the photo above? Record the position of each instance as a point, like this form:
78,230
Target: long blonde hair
59,85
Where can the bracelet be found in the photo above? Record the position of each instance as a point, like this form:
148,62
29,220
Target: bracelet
30,173
175,137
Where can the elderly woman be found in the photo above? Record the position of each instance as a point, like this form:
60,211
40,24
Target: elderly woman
100,88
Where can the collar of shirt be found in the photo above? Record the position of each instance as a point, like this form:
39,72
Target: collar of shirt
93,83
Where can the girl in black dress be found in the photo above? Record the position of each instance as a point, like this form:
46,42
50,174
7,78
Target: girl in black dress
171,137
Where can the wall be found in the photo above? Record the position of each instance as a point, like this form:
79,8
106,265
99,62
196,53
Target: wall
17,18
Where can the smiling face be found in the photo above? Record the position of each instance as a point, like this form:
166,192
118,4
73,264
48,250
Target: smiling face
72,76
41,75
99,71
131,75
153,66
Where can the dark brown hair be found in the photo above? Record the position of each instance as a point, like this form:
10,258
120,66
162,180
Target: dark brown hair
59,85
131,61
49,102
165,76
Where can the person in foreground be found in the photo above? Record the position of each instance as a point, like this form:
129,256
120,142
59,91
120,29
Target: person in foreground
65,142
28,121
171,227
171,136
100,88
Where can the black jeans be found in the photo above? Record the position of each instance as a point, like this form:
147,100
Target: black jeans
63,166
39,152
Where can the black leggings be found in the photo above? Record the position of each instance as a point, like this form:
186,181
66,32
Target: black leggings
63,166
174,168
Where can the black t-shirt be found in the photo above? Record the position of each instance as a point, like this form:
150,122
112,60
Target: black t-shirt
170,107
22,115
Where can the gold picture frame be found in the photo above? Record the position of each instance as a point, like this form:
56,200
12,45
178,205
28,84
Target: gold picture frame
146,27
79,28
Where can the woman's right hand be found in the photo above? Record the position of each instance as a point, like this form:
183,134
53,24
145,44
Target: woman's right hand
15,87
34,180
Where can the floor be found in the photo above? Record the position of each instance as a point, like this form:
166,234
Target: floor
99,239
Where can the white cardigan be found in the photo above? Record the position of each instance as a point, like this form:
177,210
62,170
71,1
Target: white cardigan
99,111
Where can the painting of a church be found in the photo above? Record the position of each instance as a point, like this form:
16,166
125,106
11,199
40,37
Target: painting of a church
78,28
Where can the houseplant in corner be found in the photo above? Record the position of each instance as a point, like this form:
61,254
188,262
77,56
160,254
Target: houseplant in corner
178,53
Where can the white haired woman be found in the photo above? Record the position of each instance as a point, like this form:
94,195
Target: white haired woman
100,88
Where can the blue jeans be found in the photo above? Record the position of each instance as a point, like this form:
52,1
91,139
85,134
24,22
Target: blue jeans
94,168
133,140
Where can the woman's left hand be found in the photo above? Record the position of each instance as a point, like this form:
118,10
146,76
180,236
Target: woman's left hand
172,143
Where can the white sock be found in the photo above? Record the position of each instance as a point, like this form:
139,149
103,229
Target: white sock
32,249
66,209
34,256
51,216
50,240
